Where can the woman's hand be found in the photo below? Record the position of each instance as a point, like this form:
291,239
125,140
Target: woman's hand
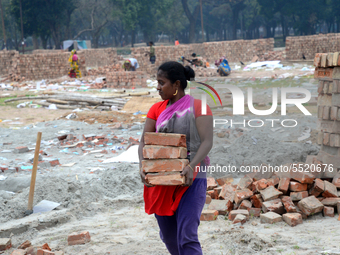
189,176
142,176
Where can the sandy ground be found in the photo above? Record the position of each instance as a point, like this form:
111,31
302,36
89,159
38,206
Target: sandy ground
106,199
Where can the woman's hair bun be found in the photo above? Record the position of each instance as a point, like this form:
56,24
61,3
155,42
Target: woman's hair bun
189,73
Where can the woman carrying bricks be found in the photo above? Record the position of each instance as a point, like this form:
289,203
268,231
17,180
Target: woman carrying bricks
73,60
178,208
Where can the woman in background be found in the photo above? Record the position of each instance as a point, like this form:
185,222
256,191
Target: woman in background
73,60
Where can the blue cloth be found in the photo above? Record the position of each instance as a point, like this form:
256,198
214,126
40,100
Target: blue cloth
82,44
179,231
224,68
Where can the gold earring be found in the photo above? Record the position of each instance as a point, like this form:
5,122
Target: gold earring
176,92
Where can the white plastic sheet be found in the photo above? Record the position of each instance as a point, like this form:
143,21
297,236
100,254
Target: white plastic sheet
129,156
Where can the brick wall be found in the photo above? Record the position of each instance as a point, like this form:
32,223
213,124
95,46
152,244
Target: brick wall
6,60
310,45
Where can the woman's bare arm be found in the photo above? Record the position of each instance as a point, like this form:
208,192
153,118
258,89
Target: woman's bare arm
204,126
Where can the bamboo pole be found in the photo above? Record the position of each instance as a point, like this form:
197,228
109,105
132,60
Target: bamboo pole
34,175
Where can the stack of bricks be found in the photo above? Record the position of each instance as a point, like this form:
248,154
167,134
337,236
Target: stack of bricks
328,72
165,157
42,66
6,60
234,51
116,77
310,45
288,196
95,58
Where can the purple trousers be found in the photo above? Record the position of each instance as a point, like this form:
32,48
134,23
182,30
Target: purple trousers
179,231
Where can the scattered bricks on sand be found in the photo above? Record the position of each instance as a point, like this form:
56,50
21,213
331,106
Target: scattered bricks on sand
211,183
296,186
219,205
284,184
297,196
292,219
270,193
318,188
240,218
165,178
163,165
270,217
5,244
165,139
310,205
209,215
240,195
254,212
330,190
19,252
233,214
274,205
79,238
328,211
288,204
164,152
21,149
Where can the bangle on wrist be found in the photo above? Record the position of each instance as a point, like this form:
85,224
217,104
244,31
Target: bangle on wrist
191,167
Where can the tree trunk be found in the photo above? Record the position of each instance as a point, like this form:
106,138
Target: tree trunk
192,17
44,41
133,38
235,18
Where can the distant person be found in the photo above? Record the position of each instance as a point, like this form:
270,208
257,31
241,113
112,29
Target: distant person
224,68
73,60
176,42
152,53
130,64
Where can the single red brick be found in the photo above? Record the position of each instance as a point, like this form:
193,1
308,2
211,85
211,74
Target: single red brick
165,178
330,190
208,199
5,244
165,139
273,206
284,184
54,162
240,195
318,187
209,215
323,73
261,184
292,219
296,186
164,165
255,212
302,177
25,245
45,252
230,206
163,152
233,214
297,196
224,180
211,183
240,219
328,211
227,192
245,205
288,204
45,247
212,194
256,200
79,238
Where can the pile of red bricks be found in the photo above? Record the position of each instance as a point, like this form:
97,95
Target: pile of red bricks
328,72
165,157
27,248
291,196
297,46
272,55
